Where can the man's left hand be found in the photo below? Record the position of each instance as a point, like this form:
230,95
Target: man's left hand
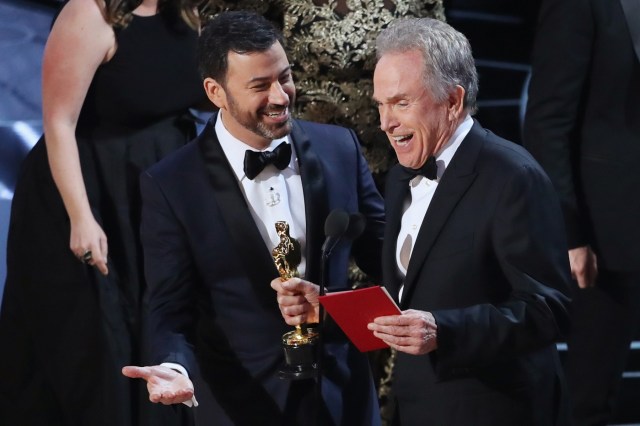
413,332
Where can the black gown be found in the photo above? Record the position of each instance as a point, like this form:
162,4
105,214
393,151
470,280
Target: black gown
66,330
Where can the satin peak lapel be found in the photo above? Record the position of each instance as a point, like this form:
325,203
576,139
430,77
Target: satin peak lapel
315,199
456,180
397,190
246,238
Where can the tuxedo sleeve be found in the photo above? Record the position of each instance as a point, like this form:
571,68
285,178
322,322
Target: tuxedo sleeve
170,303
560,67
528,244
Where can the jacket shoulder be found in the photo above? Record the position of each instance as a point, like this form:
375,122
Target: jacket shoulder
177,162
507,154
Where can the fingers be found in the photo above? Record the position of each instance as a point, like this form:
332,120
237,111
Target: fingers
100,258
101,265
291,302
150,372
94,256
412,346
286,287
294,309
296,286
170,397
297,300
135,372
88,243
393,320
413,332
584,266
276,284
295,315
165,386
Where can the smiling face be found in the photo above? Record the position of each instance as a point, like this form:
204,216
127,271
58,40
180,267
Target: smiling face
256,96
416,124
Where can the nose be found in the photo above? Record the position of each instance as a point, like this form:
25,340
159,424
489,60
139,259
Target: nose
277,95
387,119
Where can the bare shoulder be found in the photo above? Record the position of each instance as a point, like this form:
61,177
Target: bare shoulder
83,16
89,11
82,24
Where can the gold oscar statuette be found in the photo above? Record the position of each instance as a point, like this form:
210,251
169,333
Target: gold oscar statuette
299,345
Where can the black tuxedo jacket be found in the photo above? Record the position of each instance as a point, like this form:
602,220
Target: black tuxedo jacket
583,121
490,262
208,271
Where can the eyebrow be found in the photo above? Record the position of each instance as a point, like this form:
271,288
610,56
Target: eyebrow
393,98
267,78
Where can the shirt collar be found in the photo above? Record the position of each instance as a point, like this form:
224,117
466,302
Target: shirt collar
234,148
445,154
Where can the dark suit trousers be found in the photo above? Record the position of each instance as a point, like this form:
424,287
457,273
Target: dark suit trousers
605,320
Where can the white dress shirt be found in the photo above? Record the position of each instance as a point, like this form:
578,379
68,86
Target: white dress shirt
274,195
420,196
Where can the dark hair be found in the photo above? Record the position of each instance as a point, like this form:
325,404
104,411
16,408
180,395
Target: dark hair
118,13
237,31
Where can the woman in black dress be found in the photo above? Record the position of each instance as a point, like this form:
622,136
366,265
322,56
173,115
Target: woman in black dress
119,77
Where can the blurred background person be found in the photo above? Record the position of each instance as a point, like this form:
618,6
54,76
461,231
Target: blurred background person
118,79
583,126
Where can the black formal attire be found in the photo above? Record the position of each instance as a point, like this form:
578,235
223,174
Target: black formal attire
490,264
66,330
208,269
583,126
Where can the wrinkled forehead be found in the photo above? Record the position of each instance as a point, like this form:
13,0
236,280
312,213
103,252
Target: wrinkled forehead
397,74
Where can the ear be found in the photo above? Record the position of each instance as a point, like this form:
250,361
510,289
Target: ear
456,103
215,92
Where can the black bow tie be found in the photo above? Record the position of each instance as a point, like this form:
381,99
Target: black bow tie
429,170
256,161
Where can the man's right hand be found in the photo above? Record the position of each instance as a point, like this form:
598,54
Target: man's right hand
165,385
298,300
584,266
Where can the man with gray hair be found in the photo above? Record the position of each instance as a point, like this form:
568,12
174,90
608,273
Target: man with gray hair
474,247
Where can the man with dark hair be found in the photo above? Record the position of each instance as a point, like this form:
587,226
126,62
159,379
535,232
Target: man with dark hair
208,230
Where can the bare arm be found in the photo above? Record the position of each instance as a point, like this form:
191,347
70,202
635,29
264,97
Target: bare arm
79,42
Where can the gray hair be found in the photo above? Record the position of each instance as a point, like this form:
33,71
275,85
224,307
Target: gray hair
446,53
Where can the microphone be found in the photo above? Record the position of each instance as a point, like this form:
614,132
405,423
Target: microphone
357,223
338,225
335,226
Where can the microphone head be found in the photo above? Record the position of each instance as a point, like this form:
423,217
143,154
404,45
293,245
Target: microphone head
357,223
336,224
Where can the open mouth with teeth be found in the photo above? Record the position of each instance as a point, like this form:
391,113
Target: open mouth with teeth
402,140
280,114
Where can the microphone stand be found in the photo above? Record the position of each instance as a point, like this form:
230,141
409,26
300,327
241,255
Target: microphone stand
320,343
336,226
339,224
